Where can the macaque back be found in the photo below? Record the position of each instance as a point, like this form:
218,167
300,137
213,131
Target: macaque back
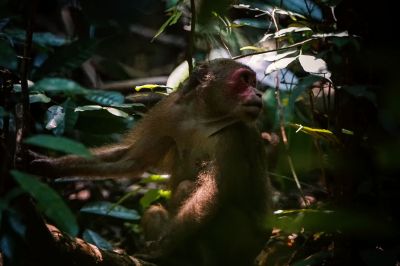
205,136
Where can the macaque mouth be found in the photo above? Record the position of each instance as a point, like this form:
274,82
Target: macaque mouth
253,108
253,103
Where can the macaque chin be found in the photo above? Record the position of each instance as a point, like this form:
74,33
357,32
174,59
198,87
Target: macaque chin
205,136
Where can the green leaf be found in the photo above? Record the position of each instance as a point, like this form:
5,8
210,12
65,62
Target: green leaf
176,14
254,23
149,197
68,57
112,210
105,97
317,133
95,239
71,117
59,144
59,85
303,85
48,201
151,87
8,57
40,38
39,98
54,119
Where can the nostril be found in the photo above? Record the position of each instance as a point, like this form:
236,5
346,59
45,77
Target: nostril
259,93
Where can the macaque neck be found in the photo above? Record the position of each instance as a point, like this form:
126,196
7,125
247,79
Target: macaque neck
214,125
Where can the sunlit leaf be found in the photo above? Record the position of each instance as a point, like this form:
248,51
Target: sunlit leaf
280,64
285,31
347,132
116,112
151,87
48,201
314,65
149,197
252,48
88,108
111,110
178,75
59,144
274,56
112,210
318,133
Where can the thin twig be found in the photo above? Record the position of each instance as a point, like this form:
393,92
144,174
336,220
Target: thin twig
317,144
191,36
275,50
282,123
22,108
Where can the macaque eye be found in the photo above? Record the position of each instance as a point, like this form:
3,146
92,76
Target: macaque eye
248,78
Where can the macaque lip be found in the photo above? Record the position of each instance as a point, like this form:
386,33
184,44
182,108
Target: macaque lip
253,103
252,110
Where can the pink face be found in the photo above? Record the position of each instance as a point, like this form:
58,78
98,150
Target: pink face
242,84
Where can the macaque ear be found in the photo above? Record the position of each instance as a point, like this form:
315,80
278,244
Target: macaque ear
199,75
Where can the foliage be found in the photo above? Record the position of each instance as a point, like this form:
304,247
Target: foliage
334,170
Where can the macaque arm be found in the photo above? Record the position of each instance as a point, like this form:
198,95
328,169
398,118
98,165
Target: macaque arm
111,161
199,207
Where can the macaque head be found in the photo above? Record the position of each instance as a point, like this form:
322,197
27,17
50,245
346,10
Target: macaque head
228,88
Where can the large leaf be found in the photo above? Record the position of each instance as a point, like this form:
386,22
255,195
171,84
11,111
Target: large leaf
48,201
105,97
110,209
59,144
71,117
59,85
40,38
94,238
274,56
39,98
314,65
280,64
111,110
178,75
7,56
68,57
152,195
303,85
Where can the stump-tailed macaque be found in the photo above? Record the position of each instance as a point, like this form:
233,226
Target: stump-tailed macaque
205,136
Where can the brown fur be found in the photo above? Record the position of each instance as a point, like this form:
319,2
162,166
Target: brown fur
205,136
